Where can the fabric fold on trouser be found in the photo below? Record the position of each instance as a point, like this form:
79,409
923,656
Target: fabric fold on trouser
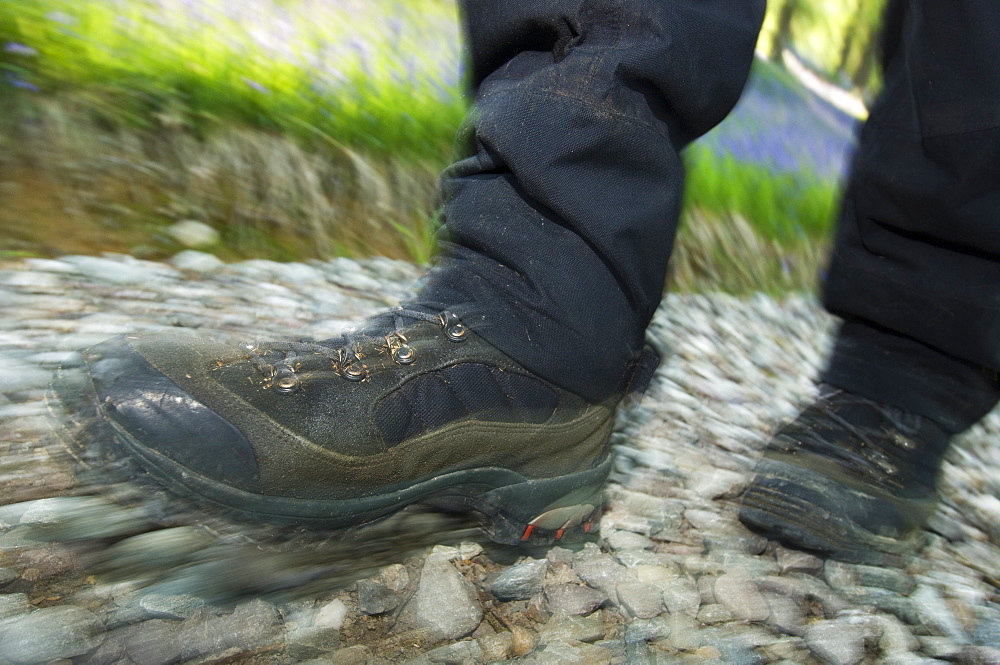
561,216
916,266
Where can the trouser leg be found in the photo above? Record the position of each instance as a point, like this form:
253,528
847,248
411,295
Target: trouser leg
916,267
561,216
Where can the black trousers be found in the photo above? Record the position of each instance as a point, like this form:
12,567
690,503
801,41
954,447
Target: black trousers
561,216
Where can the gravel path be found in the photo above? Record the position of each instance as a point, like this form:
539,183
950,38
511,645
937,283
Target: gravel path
98,572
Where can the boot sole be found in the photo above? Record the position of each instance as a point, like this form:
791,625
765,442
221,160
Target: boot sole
511,508
807,510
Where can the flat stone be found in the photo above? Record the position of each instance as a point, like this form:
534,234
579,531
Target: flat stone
885,578
681,595
738,593
373,598
202,634
444,602
794,561
573,629
714,614
153,642
521,581
155,550
976,655
459,653
306,642
786,615
356,654
835,643
715,483
599,570
252,623
496,647
169,606
942,648
640,600
894,636
882,600
67,518
733,649
936,615
561,653
839,574
13,604
50,634
627,540
465,551
987,631
196,261
647,630
685,632
573,599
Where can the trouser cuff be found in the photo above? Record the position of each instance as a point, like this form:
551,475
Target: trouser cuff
900,371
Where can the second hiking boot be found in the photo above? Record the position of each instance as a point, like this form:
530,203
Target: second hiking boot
851,478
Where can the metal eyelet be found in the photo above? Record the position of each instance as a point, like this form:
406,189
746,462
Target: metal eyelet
399,348
351,367
285,383
354,372
453,327
404,354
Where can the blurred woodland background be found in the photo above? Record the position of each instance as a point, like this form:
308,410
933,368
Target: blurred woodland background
306,129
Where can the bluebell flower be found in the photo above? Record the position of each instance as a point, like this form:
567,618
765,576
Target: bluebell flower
19,49
256,86
18,82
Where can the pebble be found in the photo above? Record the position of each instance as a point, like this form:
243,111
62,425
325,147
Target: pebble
459,653
681,595
640,600
192,233
374,598
172,606
934,612
835,643
331,615
521,581
13,604
444,601
153,642
573,599
49,634
738,593
563,628
78,518
598,570
195,261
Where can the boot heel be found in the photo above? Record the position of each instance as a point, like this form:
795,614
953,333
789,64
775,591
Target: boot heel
540,512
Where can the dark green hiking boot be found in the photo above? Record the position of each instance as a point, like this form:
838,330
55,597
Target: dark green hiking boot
851,478
414,408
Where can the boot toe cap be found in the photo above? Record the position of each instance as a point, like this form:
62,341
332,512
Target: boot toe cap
159,420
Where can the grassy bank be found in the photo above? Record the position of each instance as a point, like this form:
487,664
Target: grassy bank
297,128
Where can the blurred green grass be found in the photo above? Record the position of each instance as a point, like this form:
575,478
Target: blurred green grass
373,87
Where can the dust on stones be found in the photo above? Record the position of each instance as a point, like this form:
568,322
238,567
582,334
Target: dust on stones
96,572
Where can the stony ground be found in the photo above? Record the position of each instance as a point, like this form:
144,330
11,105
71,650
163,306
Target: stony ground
93,571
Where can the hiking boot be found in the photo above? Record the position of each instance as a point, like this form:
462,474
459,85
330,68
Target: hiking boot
415,407
850,477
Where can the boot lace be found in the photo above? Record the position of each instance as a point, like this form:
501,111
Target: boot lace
347,352
901,448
